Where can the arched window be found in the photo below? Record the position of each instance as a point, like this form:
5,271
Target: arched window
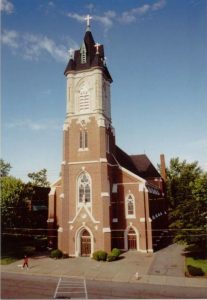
83,139
84,189
130,206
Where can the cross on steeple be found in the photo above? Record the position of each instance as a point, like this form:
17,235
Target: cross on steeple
88,18
97,45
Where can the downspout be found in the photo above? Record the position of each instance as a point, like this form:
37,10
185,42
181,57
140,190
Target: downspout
145,217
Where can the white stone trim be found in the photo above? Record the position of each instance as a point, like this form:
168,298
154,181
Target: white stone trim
129,172
52,191
142,251
105,194
63,162
50,220
83,149
65,126
103,160
150,250
62,195
88,212
60,229
83,162
142,220
142,187
106,229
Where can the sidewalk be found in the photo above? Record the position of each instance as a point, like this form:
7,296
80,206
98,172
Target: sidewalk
123,270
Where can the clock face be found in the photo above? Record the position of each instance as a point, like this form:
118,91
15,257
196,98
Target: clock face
84,104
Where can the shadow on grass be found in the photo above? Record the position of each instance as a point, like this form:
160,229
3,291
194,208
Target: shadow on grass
195,251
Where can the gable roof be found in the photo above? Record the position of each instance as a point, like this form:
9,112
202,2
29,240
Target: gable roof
138,164
145,166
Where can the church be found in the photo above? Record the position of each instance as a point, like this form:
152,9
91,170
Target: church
104,198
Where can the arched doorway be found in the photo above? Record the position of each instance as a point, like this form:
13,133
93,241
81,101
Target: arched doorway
85,241
132,239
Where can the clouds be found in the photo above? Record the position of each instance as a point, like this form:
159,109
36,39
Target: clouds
6,6
33,47
10,38
39,125
108,18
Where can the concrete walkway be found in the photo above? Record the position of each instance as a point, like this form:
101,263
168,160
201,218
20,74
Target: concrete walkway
123,270
169,262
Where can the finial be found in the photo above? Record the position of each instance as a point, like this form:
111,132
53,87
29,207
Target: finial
71,53
88,18
97,45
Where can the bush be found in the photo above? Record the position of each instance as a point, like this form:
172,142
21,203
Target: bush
100,255
56,253
195,271
111,257
116,252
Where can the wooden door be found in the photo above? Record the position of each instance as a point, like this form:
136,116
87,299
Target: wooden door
85,243
132,240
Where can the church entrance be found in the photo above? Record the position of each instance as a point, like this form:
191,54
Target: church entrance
85,243
132,239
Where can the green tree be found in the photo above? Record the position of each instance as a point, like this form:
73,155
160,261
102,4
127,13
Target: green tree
39,178
14,202
187,197
4,168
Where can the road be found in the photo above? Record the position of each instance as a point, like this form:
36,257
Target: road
15,286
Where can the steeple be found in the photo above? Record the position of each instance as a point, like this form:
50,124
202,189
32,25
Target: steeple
90,55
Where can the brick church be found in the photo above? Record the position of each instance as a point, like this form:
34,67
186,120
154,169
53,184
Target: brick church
104,198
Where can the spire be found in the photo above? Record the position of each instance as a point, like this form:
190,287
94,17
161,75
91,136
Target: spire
88,18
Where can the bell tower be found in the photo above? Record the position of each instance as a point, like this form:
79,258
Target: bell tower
88,144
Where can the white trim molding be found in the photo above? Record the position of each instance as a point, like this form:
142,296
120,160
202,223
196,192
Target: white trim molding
60,229
106,229
50,220
105,194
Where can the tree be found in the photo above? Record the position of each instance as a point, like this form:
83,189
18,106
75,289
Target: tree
187,197
39,178
4,168
14,202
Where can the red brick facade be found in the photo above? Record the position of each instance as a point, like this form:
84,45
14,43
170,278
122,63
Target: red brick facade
101,200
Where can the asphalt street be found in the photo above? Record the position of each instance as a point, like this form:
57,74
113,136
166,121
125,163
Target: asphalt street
19,286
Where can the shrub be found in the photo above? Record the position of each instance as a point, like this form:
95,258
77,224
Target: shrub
111,257
100,255
116,252
56,253
195,271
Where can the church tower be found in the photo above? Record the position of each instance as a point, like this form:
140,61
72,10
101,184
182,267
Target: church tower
84,209
104,198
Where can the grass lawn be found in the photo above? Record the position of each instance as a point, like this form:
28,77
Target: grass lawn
198,263
7,260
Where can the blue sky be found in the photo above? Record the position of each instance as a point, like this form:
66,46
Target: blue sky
156,54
